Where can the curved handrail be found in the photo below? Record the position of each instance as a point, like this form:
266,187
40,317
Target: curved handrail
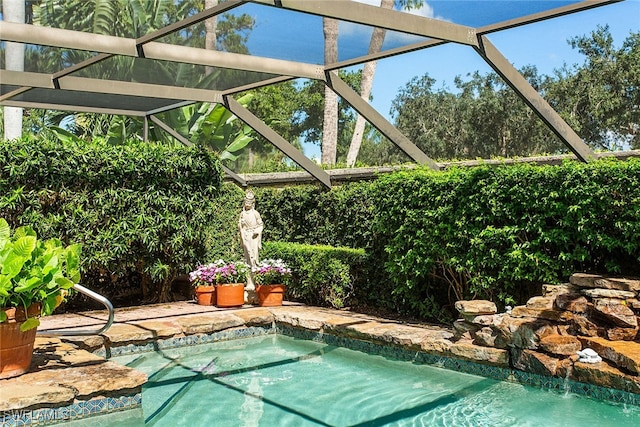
95,296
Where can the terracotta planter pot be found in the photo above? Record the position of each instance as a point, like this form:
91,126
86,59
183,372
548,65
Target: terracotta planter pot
16,347
270,295
206,295
230,295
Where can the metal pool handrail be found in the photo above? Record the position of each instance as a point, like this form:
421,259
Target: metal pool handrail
95,296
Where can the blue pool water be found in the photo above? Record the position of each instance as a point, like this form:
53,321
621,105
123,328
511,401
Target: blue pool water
277,380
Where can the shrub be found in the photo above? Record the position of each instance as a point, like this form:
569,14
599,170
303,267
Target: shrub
496,232
500,232
34,272
321,275
144,213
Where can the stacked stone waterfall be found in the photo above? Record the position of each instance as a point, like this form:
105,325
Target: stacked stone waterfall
545,335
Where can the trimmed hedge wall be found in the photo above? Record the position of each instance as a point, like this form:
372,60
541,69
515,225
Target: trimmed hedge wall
144,213
310,214
495,232
501,232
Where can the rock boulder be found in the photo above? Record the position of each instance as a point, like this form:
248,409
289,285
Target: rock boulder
476,307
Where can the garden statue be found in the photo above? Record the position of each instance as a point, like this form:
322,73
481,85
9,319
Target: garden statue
250,225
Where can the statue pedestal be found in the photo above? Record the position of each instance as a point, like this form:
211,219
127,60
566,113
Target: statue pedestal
250,296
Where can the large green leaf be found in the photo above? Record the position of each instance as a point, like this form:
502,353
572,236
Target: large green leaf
13,265
73,255
64,135
64,283
52,264
218,116
239,143
30,323
23,246
23,231
5,250
5,230
26,285
50,302
5,285
196,119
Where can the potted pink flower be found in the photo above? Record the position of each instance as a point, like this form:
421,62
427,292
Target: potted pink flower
204,281
230,281
271,277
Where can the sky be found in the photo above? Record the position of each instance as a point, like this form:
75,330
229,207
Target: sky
543,44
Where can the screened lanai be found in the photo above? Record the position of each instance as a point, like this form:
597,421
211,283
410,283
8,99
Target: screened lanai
135,74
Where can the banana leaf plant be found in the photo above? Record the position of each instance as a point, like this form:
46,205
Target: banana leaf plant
212,126
34,271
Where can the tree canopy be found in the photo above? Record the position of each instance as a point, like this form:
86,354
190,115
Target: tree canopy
484,118
600,98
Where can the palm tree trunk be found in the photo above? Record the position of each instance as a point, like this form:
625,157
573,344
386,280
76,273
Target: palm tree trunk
330,120
368,73
13,11
210,25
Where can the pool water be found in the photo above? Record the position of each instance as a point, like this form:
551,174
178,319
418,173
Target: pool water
277,380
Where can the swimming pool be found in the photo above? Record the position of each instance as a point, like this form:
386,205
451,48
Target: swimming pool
277,380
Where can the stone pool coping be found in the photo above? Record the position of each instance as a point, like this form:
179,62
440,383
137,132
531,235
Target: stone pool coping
71,379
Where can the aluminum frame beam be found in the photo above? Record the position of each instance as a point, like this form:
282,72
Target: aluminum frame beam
169,107
168,129
542,16
16,92
57,37
79,66
529,95
85,84
72,108
110,45
234,61
26,78
278,141
256,85
377,120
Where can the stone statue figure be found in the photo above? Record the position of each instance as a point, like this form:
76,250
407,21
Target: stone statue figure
250,225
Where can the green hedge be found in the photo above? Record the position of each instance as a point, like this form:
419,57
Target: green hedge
144,213
496,232
321,275
310,214
501,232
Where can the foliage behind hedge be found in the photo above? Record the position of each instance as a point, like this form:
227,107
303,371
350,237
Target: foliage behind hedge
144,213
